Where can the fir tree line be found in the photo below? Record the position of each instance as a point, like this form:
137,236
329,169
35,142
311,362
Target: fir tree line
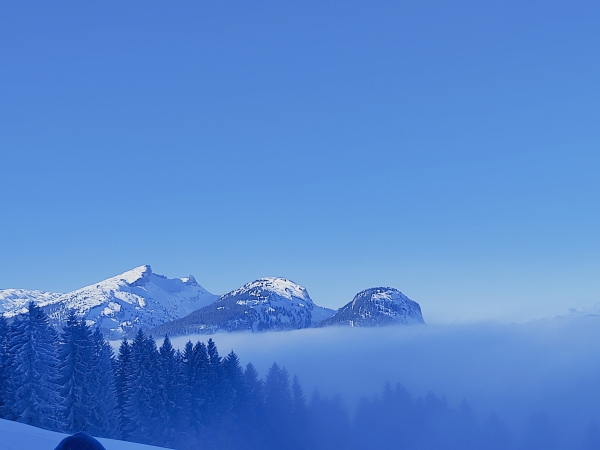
195,399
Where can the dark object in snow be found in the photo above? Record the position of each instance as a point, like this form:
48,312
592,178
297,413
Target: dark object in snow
80,441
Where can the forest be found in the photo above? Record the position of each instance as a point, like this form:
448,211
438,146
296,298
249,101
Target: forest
72,381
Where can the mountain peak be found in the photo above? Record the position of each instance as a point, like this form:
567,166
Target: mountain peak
277,285
376,307
189,280
120,304
270,303
134,275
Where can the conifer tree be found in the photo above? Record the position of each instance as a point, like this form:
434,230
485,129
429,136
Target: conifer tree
235,401
300,425
102,386
170,390
194,363
255,388
236,390
122,376
142,403
75,372
32,387
214,392
278,404
3,363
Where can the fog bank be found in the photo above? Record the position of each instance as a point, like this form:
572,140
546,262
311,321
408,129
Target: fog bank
514,370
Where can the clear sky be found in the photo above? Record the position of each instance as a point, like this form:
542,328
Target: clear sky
448,149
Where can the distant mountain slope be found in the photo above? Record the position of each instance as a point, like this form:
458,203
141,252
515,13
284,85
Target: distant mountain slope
15,301
377,307
264,304
121,304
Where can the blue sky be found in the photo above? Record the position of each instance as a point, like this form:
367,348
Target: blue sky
450,150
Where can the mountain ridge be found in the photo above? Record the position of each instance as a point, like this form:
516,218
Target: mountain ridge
137,298
270,303
142,299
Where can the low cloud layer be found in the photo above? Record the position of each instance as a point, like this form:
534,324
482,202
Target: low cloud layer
514,370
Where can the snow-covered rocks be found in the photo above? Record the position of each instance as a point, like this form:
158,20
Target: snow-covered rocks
138,298
14,301
377,307
264,304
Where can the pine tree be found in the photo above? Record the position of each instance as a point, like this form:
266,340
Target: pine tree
198,381
278,405
102,387
255,428
141,403
74,374
214,394
170,390
122,376
194,362
236,406
3,363
236,390
300,435
32,387
255,388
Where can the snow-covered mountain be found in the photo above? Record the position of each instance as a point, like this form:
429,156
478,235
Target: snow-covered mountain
264,304
15,301
377,307
121,304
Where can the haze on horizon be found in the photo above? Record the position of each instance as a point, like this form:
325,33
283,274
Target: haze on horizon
449,151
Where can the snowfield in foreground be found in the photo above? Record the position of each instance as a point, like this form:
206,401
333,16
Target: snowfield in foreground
18,436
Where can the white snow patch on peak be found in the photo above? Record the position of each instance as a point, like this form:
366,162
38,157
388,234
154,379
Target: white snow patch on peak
280,286
15,301
133,275
189,280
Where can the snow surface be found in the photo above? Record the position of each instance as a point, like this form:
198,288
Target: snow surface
15,301
18,436
118,305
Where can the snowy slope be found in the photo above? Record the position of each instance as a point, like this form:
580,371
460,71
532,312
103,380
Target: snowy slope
121,304
18,436
376,307
264,304
15,301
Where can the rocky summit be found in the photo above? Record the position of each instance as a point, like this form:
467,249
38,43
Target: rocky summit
375,307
